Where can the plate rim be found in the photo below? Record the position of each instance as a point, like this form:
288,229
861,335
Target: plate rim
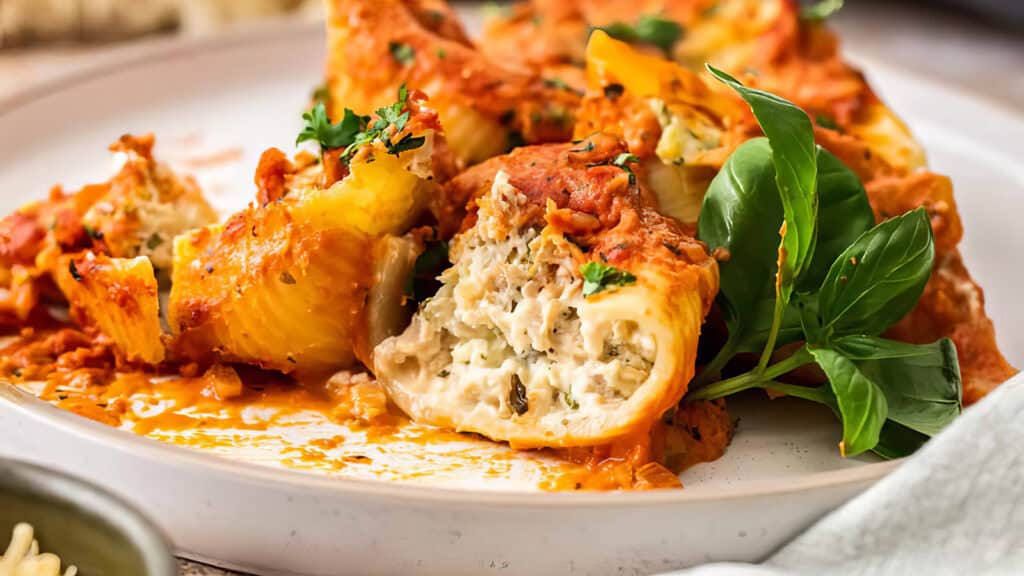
147,52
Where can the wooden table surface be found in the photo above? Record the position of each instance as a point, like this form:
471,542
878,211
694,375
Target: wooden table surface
985,60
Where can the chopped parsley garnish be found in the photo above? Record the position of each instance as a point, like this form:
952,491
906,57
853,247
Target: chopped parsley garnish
355,130
559,84
404,54
570,401
587,147
318,127
153,241
826,122
442,53
598,277
407,142
821,10
648,30
613,91
92,232
517,396
625,158
623,161
321,94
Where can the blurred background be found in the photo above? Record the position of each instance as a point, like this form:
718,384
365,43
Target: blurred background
977,45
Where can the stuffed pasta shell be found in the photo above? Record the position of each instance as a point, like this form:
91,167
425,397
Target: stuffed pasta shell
766,43
571,312
295,282
678,127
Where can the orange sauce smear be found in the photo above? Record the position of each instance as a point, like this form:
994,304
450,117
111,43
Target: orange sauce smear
228,410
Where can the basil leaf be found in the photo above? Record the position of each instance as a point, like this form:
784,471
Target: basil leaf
810,324
897,441
844,213
753,334
741,214
921,382
404,54
794,154
861,347
862,404
894,441
879,278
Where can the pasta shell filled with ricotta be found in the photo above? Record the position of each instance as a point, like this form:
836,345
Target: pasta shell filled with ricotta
312,276
571,312
376,45
677,126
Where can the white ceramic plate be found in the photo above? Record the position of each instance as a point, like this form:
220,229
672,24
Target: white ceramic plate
242,94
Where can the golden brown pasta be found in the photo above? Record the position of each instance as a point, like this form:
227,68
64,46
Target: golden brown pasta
285,285
119,296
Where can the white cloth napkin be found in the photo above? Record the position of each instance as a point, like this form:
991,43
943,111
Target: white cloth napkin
955,507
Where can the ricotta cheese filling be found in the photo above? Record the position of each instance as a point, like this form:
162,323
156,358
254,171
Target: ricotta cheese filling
685,133
510,332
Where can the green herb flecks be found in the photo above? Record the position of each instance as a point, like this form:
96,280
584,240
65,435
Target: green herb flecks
587,146
652,30
570,401
623,161
598,277
354,130
826,121
321,95
403,53
820,10
559,84
517,396
318,128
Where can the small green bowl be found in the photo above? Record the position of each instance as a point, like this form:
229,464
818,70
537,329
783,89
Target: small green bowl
84,525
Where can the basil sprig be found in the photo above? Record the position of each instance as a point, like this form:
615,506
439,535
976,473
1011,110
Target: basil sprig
793,155
807,263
